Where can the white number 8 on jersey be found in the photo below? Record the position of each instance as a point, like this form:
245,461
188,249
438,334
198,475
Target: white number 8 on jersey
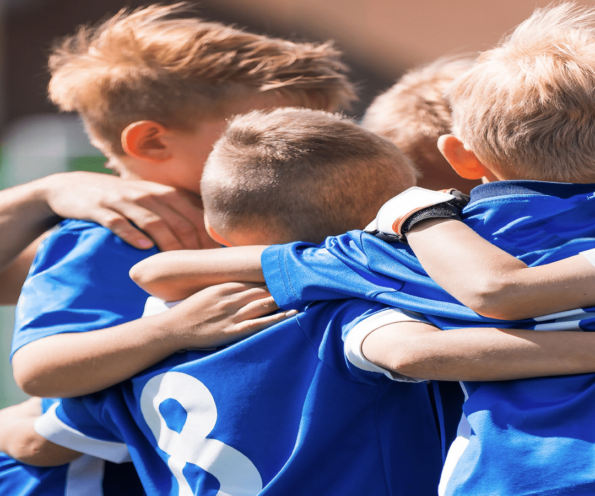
237,475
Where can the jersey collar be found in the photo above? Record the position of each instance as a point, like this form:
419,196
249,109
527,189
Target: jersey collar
535,188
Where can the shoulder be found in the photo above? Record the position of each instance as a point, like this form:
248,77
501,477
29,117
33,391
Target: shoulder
83,242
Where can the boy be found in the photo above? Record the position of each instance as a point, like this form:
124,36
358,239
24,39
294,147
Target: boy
153,91
413,114
524,116
286,411
334,423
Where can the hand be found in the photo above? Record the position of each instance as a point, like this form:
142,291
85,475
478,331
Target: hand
222,314
170,218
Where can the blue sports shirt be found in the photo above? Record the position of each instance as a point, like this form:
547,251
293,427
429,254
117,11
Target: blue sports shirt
85,476
78,282
519,437
292,410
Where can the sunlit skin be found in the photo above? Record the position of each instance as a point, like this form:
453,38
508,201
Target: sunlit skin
176,157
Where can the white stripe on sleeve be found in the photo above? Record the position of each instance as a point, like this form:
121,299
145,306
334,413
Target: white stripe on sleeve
56,431
154,305
589,255
355,339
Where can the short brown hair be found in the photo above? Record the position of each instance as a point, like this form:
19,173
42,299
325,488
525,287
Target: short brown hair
150,64
527,108
414,113
305,174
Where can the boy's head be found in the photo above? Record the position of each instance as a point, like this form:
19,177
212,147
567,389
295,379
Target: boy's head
413,114
298,175
527,108
152,83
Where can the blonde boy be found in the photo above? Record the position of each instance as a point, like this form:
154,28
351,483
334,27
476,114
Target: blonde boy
292,410
414,113
523,119
154,89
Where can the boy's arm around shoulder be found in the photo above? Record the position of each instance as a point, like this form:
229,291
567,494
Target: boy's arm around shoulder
19,439
492,282
80,283
422,351
176,275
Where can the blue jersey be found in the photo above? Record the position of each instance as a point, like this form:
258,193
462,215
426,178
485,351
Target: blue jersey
292,410
85,476
516,437
78,282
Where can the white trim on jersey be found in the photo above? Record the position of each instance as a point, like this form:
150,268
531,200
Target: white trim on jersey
589,255
56,431
456,450
154,306
85,477
563,321
355,339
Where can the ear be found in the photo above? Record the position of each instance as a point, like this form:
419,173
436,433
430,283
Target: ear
463,161
144,140
215,236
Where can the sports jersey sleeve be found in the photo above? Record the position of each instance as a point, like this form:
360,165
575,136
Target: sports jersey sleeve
300,273
84,425
355,335
79,282
359,265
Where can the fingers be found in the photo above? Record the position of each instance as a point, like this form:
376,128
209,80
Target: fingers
125,230
167,222
140,212
257,308
253,326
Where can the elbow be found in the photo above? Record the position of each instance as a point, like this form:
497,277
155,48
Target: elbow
141,275
411,359
492,299
29,382
30,378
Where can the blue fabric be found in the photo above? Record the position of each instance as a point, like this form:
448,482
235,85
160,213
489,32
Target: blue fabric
288,401
78,282
527,436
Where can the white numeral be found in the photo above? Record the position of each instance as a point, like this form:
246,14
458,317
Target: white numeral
237,475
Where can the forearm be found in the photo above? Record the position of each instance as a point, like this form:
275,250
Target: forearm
480,354
176,275
494,283
74,364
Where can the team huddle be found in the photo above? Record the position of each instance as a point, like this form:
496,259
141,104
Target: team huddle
349,386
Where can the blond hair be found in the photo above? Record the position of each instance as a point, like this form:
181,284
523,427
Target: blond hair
302,174
413,113
527,108
151,65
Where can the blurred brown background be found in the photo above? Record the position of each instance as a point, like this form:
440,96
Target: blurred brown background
380,39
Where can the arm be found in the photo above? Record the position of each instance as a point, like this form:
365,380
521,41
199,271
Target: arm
19,439
73,364
175,276
417,349
493,283
168,217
